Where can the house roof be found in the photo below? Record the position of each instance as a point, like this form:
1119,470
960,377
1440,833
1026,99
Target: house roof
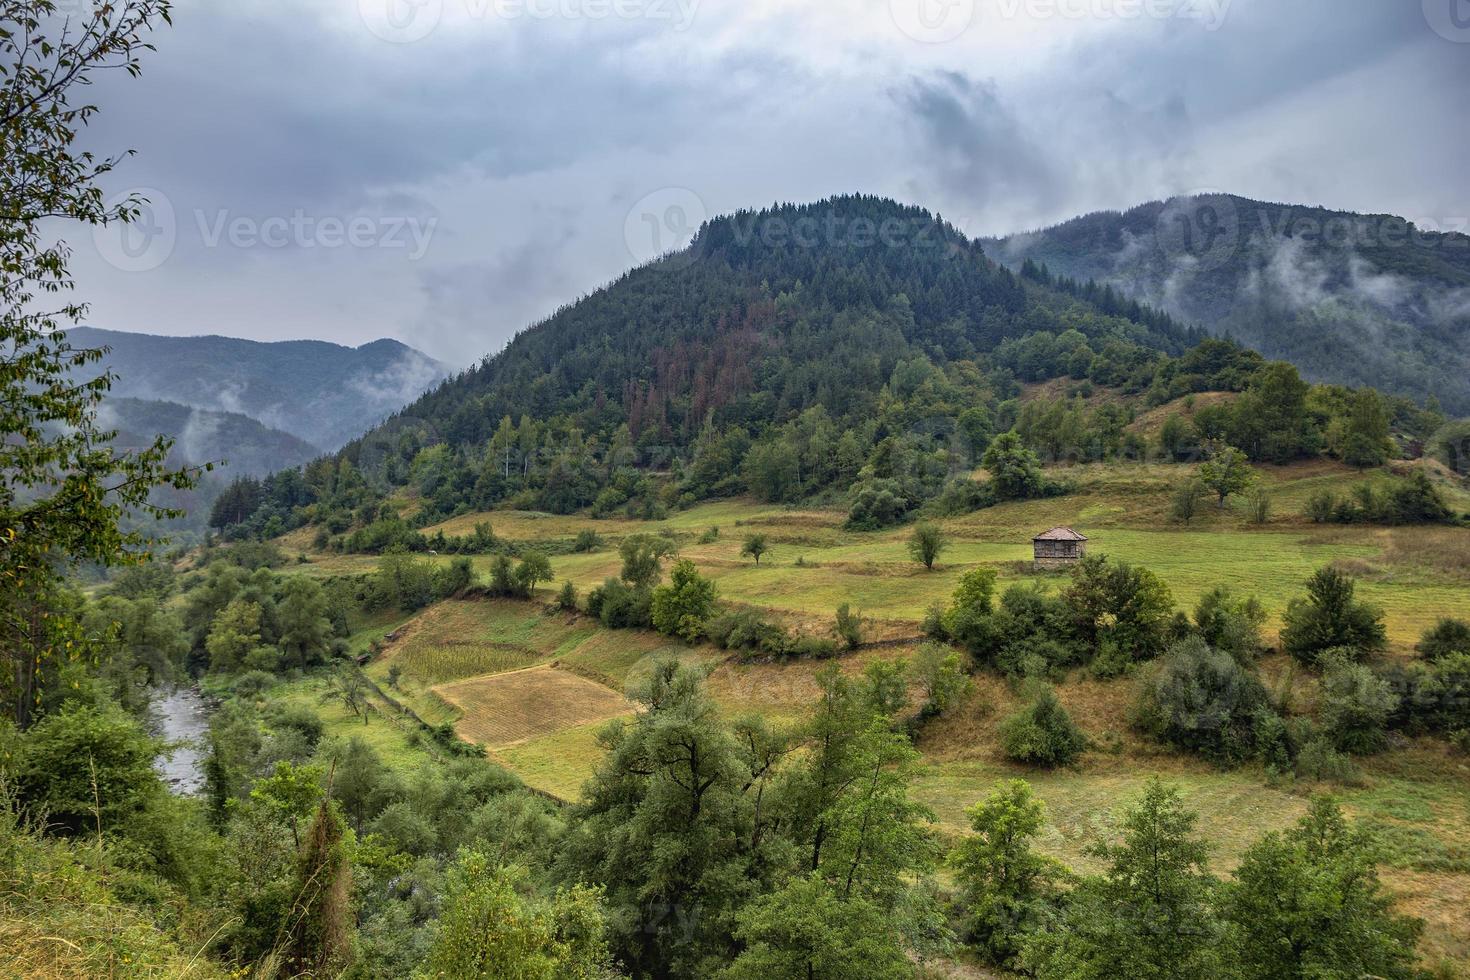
1060,534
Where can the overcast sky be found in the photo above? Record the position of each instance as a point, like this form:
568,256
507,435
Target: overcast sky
446,172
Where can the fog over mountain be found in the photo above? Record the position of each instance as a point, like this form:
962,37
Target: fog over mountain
1360,299
323,394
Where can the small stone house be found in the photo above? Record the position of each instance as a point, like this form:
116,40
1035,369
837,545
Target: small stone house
1059,547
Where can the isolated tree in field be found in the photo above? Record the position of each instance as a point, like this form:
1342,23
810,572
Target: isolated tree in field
348,687
1308,903
1149,914
64,488
533,569
927,543
1225,473
1184,501
642,556
1014,470
755,546
1005,885
1331,618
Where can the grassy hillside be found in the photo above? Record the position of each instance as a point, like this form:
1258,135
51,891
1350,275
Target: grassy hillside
1415,573
535,686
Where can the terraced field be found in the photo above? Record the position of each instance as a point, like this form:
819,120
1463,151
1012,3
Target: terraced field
500,710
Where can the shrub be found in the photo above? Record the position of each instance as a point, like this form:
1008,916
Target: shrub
967,620
1202,700
813,647
1120,610
1319,761
299,718
1031,634
1445,637
1433,697
877,504
566,599
1230,624
963,496
1042,733
1322,506
587,540
1260,506
1330,618
1413,499
744,629
940,675
252,683
1355,707
619,605
1184,502
849,626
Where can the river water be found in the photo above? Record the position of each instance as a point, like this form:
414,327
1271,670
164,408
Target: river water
182,717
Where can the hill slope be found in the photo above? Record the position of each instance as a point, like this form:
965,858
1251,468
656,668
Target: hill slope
322,393
836,307
1348,298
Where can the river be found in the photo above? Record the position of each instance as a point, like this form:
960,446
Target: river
182,716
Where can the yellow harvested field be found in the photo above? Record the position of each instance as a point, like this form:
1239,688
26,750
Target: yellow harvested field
505,709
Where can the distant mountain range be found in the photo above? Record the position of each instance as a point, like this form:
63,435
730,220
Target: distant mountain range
203,436
1357,299
322,394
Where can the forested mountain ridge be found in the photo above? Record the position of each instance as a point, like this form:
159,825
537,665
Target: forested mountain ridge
1359,299
811,296
322,393
855,348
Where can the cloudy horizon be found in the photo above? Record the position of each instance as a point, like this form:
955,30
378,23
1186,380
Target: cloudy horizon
447,172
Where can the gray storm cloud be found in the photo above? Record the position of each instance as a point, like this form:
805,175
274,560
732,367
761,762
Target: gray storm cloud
528,141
